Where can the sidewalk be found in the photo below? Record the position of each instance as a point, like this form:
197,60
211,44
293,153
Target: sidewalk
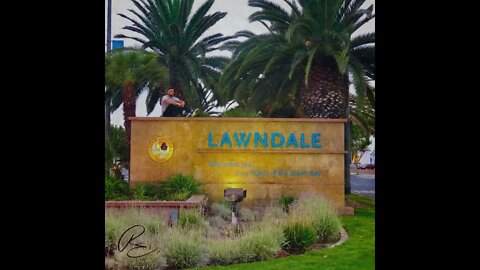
362,171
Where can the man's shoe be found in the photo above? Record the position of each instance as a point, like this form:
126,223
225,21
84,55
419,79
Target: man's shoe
194,112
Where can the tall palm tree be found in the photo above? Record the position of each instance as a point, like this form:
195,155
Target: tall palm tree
305,62
132,70
169,28
306,58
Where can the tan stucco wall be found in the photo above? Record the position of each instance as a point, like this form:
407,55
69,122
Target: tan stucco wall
252,168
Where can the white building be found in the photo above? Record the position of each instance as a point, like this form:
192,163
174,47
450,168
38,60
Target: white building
367,157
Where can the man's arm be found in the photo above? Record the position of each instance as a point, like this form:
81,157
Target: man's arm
176,102
181,103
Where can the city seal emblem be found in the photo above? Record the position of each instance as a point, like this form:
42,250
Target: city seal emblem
160,149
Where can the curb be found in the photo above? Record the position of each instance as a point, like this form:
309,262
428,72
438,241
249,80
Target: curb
343,238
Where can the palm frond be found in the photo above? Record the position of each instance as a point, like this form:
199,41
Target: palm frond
152,100
358,80
362,40
244,33
298,58
308,67
196,19
116,100
205,23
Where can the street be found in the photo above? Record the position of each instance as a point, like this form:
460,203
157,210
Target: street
363,184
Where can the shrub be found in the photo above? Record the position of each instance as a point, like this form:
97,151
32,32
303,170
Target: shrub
323,215
179,196
299,235
209,231
153,223
183,248
222,251
151,261
274,213
217,221
248,215
177,187
222,210
262,242
116,189
190,218
179,183
285,202
145,192
111,232
110,263
117,221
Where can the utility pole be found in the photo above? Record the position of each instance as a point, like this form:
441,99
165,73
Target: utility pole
109,48
348,150
347,138
109,25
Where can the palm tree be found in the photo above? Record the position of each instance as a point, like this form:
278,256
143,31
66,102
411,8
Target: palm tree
132,70
306,58
305,62
169,29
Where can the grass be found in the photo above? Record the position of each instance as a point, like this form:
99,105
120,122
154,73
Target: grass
358,252
360,201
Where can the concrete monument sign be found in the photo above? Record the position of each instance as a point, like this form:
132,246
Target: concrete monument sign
269,157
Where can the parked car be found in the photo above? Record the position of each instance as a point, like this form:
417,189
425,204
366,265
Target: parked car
370,166
366,166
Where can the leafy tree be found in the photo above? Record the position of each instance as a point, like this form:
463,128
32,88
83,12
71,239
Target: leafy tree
364,116
108,155
360,140
118,141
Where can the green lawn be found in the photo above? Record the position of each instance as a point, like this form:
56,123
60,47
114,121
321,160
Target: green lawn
358,252
361,201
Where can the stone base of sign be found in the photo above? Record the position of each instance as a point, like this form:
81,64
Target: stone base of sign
346,211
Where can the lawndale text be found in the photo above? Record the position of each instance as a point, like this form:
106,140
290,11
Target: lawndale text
265,140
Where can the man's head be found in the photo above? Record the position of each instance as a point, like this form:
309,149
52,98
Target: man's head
171,92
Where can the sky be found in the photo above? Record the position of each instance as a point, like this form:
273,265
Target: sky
235,20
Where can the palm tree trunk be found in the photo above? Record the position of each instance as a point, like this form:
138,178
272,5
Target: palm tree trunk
175,83
324,96
129,107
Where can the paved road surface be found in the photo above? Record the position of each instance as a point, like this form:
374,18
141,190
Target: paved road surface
363,184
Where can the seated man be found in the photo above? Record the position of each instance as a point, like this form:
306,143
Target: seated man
173,106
